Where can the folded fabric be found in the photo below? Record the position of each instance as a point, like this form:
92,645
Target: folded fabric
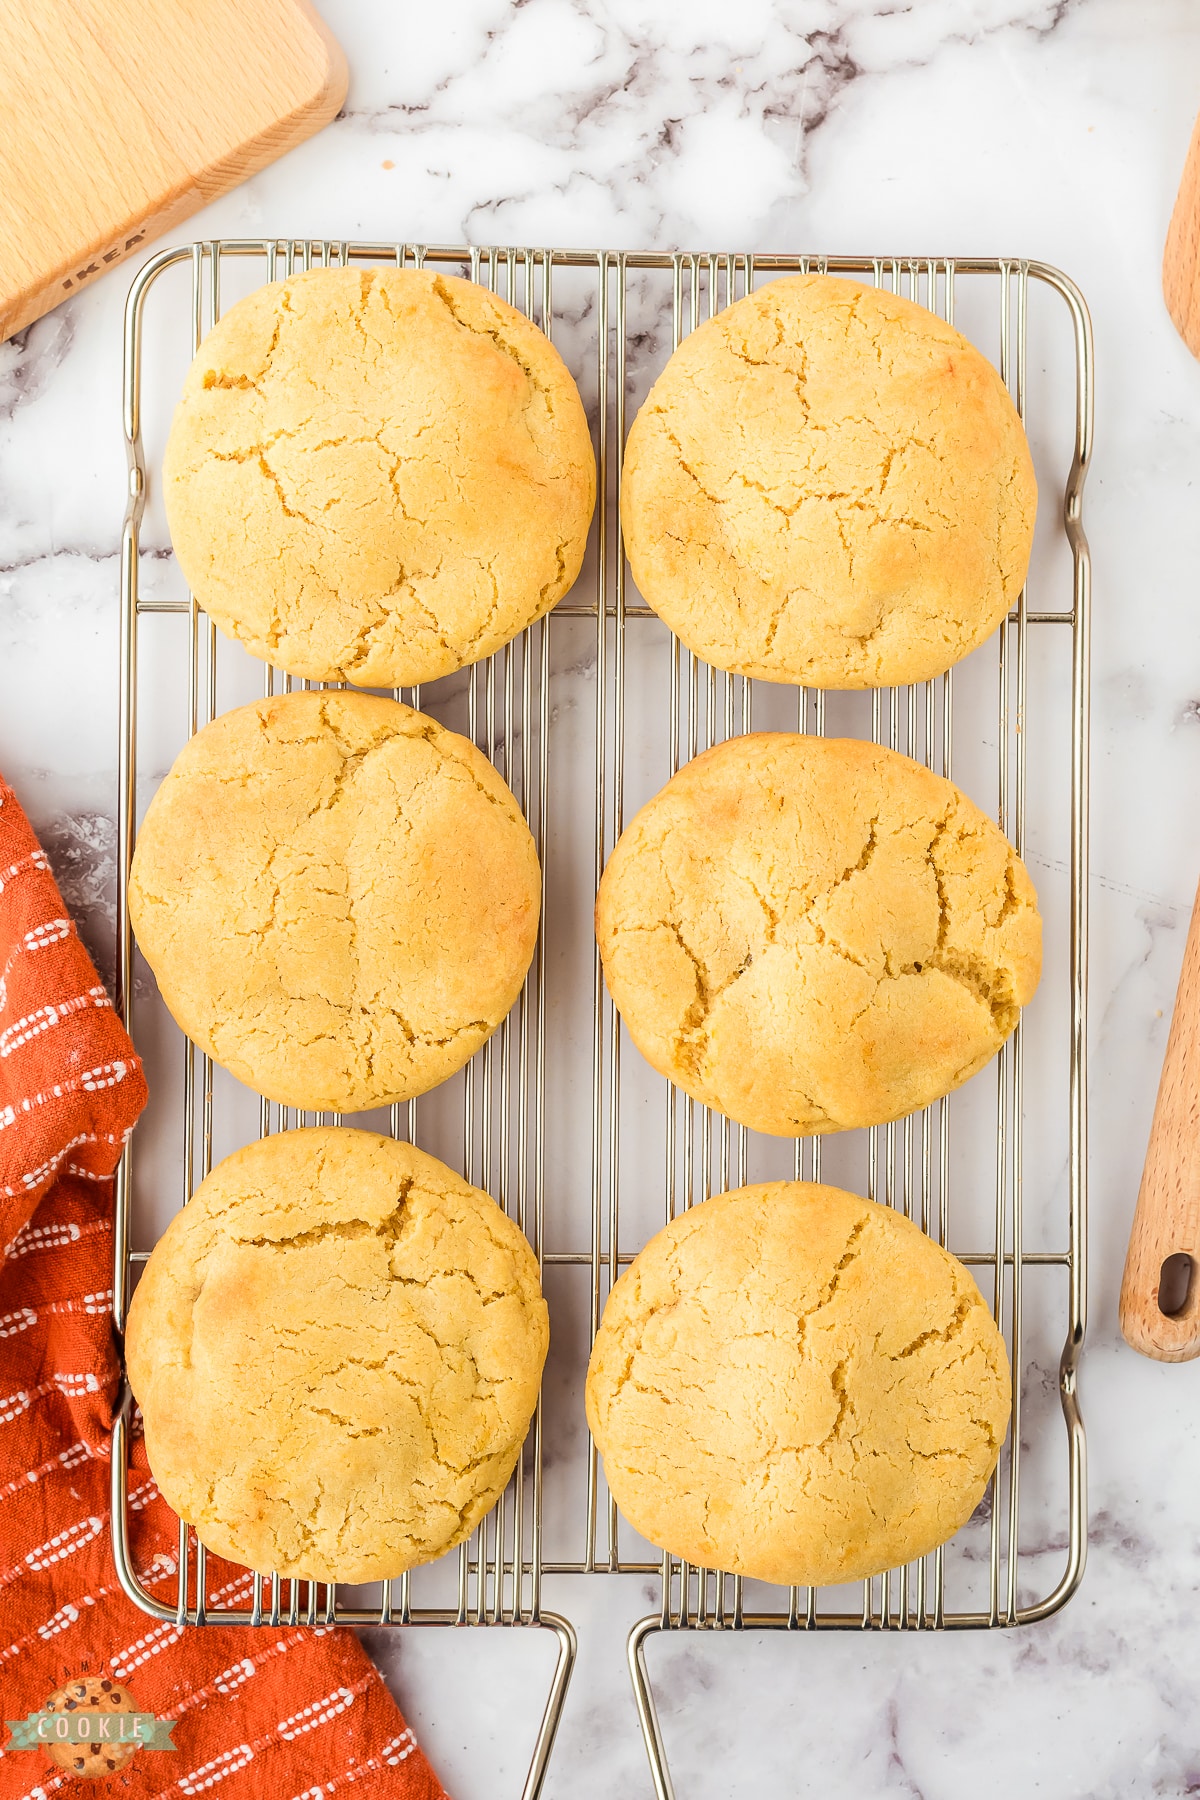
268,1712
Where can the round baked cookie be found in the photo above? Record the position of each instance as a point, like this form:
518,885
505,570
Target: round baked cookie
336,1348
378,475
339,898
796,1384
813,934
828,485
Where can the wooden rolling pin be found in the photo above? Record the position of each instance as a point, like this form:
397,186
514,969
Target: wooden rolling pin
1160,1292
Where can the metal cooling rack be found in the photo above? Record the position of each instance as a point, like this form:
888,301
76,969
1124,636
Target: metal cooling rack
557,1116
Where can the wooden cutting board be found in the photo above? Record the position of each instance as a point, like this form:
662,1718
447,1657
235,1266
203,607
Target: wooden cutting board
119,118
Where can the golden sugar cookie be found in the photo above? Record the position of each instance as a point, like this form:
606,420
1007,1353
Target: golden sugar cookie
829,485
796,1384
378,475
336,1347
339,898
813,934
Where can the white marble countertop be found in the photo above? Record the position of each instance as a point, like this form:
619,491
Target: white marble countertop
1045,128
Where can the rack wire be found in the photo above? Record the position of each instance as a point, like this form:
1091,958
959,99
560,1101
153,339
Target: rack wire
598,700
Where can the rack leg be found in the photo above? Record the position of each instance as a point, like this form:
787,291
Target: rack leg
647,1715
554,1703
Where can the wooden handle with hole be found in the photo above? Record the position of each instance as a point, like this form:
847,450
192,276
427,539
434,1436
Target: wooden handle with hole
1167,1221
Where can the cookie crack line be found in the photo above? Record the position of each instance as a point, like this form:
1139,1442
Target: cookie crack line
943,1334
497,337
850,1254
837,1381
387,1229
988,983
694,1029
217,378
351,1427
810,492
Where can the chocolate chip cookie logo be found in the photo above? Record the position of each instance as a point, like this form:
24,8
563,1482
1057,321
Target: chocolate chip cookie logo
90,1727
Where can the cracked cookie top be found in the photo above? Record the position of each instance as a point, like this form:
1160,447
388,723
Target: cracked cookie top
378,475
828,485
339,898
814,934
336,1347
795,1384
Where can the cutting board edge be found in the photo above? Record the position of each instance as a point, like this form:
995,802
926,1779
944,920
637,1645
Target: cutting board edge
123,236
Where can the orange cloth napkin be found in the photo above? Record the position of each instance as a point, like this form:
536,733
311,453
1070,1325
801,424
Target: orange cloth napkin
274,1714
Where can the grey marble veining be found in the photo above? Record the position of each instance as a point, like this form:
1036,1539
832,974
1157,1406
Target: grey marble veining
1049,130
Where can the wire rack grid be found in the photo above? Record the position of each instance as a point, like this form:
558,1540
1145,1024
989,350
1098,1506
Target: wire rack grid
598,699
